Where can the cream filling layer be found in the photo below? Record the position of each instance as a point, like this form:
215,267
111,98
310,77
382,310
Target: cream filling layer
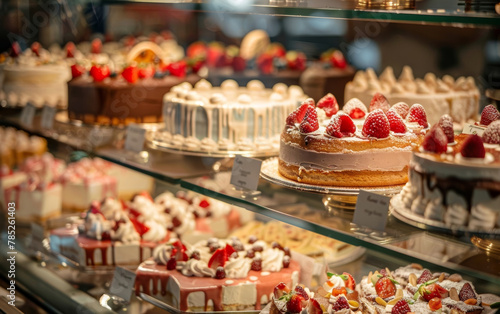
372,160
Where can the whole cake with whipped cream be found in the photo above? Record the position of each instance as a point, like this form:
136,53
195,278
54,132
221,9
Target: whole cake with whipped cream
229,117
456,185
458,98
216,274
321,145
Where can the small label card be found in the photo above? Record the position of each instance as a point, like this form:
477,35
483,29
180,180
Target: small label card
371,210
27,115
122,283
48,115
135,138
37,237
473,129
246,172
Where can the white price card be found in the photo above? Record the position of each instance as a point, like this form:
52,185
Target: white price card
122,283
371,210
135,138
27,115
37,237
246,172
473,129
48,115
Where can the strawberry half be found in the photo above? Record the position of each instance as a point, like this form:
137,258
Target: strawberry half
473,147
417,114
435,140
296,60
402,108
385,288
314,307
197,50
492,133
99,73
349,282
77,70
329,104
146,71
310,122
229,250
376,125
301,291
131,74
219,258
239,64
379,102
396,122
341,125
294,305
433,291
466,292
340,303
355,108
424,277
177,68
298,114
401,307
446,124
489,114
280,290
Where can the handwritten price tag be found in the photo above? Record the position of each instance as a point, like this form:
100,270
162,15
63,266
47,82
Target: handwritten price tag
27,115
135,138
473,129
123,283
37,237
245,173
48,114
371,210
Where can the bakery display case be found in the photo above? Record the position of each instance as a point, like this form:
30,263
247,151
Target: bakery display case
205,73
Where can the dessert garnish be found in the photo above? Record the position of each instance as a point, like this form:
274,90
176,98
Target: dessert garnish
340,125
379,102
396,122
376,125
329,104
489,114
446,124
310,122
417,114
492,133
435,140
355,108
402,108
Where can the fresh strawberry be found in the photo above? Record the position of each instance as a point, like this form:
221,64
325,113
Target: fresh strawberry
424,277
314,307
179,246
329,104
435,140
337,60
204,203
446,124
131,74
310,122
96,46
99,73
435,304
265,63
220,273
276,50
280,290
350,283
146,71
70,50
294,305
489,114
396,122
340,303
355,108
15,50
379,102
35,48
239,64
219,258
433,291
216,55
171,263
492,133
401,307
229,250
472,147
177,68
376,125
300,291
466,292
417,114
77,70
340,125
402,108
139,226
385,287
197,50
296,60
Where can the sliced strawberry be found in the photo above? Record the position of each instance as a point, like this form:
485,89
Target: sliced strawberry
396,122
15,50
417,114
131,74
329,104
239,64
96,46
314,307
349,282
337,60
35,48
355,108
298,114
341,125
229,250
77,70
99,73
424,277
492,133
265,63
433,291
385,288
280,290
179,246
294,305
435,304
139,226
379,102
296,60
401,307
435,140
376,125
489,114
340,303
473,147
146,71
177,68
402,108
300,291
446,124
310,122
467,292
219,258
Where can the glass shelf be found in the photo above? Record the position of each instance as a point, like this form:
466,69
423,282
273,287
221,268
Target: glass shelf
422,14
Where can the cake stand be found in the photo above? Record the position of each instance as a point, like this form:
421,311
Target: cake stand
338,200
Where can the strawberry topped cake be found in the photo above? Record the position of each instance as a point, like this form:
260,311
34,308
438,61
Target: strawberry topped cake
215,274
351,148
